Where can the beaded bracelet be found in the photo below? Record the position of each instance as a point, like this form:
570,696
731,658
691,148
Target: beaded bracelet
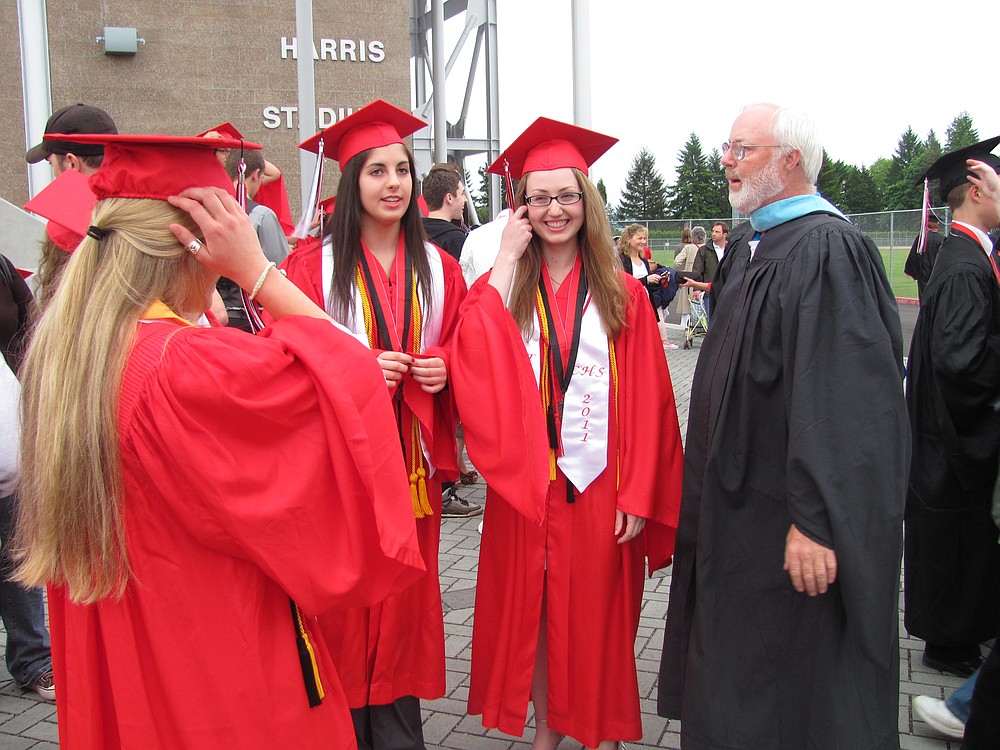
260,279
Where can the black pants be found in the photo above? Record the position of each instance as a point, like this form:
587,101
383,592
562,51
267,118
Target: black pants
982,730
396,726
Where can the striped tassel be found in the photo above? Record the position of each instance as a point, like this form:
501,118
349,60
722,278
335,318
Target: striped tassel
307,659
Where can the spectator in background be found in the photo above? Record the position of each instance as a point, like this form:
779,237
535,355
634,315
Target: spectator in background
631,252
28,655
445,195
684,261
66,154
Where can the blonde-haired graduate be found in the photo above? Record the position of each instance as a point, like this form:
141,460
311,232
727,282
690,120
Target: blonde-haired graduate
569,415
193,496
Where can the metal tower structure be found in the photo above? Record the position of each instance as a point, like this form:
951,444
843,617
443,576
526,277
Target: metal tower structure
450,141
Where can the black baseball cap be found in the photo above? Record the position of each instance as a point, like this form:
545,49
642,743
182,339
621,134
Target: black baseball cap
76,118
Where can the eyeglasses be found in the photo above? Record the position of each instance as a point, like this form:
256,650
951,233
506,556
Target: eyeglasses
563,199
740,149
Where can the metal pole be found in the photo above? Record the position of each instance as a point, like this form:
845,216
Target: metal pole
492,103
36,84
438,75
581,63
307,90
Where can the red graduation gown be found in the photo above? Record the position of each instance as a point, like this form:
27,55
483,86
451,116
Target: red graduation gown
254,469
396,648
533,537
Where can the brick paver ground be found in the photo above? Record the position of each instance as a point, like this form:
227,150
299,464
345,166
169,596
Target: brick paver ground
29,723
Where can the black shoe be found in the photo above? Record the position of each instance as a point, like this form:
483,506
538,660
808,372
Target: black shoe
453,506
958,667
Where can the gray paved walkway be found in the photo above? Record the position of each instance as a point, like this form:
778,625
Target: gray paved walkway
29,723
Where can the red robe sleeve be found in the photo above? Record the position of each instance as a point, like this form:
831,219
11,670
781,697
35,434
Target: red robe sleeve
280,449
498,400
436,411
652,459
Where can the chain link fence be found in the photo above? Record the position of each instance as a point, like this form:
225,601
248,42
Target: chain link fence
892,232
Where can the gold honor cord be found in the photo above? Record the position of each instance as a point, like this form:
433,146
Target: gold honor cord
418,472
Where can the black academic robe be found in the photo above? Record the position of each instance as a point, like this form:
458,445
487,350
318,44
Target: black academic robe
797,416
952,561
919,265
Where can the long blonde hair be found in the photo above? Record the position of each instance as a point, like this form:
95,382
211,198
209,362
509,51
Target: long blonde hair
600,263
71,528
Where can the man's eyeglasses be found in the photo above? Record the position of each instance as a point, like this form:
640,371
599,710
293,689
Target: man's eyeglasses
740,149
563,199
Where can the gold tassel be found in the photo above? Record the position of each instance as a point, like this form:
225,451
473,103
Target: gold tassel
414,499
552,465
425,503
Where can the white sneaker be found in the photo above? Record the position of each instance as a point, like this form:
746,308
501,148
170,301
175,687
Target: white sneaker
935,712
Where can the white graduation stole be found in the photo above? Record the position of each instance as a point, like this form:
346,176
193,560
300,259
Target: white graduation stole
430,300
586,405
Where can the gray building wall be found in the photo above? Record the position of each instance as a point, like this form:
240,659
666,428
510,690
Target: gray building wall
204,63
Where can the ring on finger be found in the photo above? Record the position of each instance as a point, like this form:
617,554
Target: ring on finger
193,247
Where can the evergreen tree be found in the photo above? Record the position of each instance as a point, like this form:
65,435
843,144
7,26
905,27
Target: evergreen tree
961,133
717,198
480,198
644,196
603,190
902,191
685,198
832,179
931,151
879,172
861,194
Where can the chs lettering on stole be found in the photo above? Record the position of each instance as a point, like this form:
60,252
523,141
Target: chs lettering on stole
589,371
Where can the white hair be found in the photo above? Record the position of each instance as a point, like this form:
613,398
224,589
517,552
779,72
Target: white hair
795,129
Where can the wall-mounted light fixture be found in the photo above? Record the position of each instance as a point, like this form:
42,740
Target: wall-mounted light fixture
120,40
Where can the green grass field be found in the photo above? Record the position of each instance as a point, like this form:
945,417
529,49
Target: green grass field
894,260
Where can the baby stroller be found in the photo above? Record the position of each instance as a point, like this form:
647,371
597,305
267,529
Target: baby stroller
698,322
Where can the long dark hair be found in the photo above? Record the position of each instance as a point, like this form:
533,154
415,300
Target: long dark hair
343,227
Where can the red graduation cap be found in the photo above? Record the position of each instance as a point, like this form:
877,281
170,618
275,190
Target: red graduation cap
373,126
225,130
67,202
550,144
158,166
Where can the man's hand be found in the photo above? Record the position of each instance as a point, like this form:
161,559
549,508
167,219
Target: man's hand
811,566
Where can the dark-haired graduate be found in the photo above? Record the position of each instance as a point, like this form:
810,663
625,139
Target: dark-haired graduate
377,275
193,496
569,415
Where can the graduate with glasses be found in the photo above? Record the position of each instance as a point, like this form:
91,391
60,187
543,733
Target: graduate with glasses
560,378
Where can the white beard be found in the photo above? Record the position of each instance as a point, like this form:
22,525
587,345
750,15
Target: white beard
758,191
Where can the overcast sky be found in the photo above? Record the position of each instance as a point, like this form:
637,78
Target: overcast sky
662,69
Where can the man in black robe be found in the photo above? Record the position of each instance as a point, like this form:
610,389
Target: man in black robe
952,561
920,262
782,628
